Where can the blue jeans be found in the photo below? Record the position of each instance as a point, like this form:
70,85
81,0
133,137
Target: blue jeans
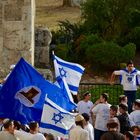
98,134
131,95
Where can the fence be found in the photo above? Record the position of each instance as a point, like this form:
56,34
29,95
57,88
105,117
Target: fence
98,88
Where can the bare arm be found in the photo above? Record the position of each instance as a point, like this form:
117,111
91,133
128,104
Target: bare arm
112,79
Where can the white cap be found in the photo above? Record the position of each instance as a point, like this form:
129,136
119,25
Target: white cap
137,100
79,118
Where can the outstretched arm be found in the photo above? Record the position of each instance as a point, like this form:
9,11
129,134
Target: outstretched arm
112,79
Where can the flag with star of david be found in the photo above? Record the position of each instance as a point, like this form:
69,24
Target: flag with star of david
56,120
23,94
71,72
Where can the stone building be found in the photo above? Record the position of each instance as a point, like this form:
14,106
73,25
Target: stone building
16,32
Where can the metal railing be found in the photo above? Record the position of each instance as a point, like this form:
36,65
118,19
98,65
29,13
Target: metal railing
114,91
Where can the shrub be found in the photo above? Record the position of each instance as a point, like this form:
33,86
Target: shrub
129,52
87,41
134,37
63,50
113,92
106,54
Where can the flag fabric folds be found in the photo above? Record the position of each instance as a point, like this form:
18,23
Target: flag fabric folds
72,73
56,120
22,96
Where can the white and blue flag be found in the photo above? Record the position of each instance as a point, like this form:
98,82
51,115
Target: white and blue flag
56,120
23,94
72,73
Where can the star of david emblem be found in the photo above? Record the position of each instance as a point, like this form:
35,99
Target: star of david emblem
62,72
129,79
57,117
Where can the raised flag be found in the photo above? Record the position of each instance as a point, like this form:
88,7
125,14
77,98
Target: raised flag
23,95
56,120
72,73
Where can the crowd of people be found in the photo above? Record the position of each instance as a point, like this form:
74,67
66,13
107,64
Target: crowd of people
94,121
98,121
110,122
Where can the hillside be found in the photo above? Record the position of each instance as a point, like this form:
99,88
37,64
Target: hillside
49,12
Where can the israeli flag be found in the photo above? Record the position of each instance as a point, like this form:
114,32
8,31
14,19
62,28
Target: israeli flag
23,94
72,73
56,120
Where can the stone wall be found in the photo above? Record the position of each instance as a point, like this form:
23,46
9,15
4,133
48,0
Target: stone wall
43,39
16,32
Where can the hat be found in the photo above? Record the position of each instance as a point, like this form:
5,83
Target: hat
137,101
79,118
112,123
12,67
87,93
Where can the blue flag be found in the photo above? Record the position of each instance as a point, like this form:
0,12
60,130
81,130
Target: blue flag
23,95
58,121
72,73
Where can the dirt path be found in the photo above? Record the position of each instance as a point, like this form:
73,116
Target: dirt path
49,12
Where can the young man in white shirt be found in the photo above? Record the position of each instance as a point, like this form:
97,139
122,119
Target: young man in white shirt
101,111
88,126
85,105
8,132
34,129
134,116
129,82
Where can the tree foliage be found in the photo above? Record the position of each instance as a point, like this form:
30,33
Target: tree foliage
107,35
111,18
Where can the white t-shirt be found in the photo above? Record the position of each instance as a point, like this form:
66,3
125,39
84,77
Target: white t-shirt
38,136
102,116
78,133
128,79
85,107
134,118
90,130
22,135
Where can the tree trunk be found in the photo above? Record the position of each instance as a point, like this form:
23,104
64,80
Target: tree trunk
67,3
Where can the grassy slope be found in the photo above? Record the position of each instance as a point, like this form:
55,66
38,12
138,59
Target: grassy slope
49,12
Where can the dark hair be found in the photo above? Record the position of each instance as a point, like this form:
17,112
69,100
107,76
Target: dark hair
136,103
122,98
114,108
17,125
105,96
33,125
112,123
86,116
129,62
124,106
7,123
75,98
49,136
129,135
136,126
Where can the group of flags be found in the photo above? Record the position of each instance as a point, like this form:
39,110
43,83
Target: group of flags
26,96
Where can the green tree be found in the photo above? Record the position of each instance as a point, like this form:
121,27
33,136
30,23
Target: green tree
111,18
